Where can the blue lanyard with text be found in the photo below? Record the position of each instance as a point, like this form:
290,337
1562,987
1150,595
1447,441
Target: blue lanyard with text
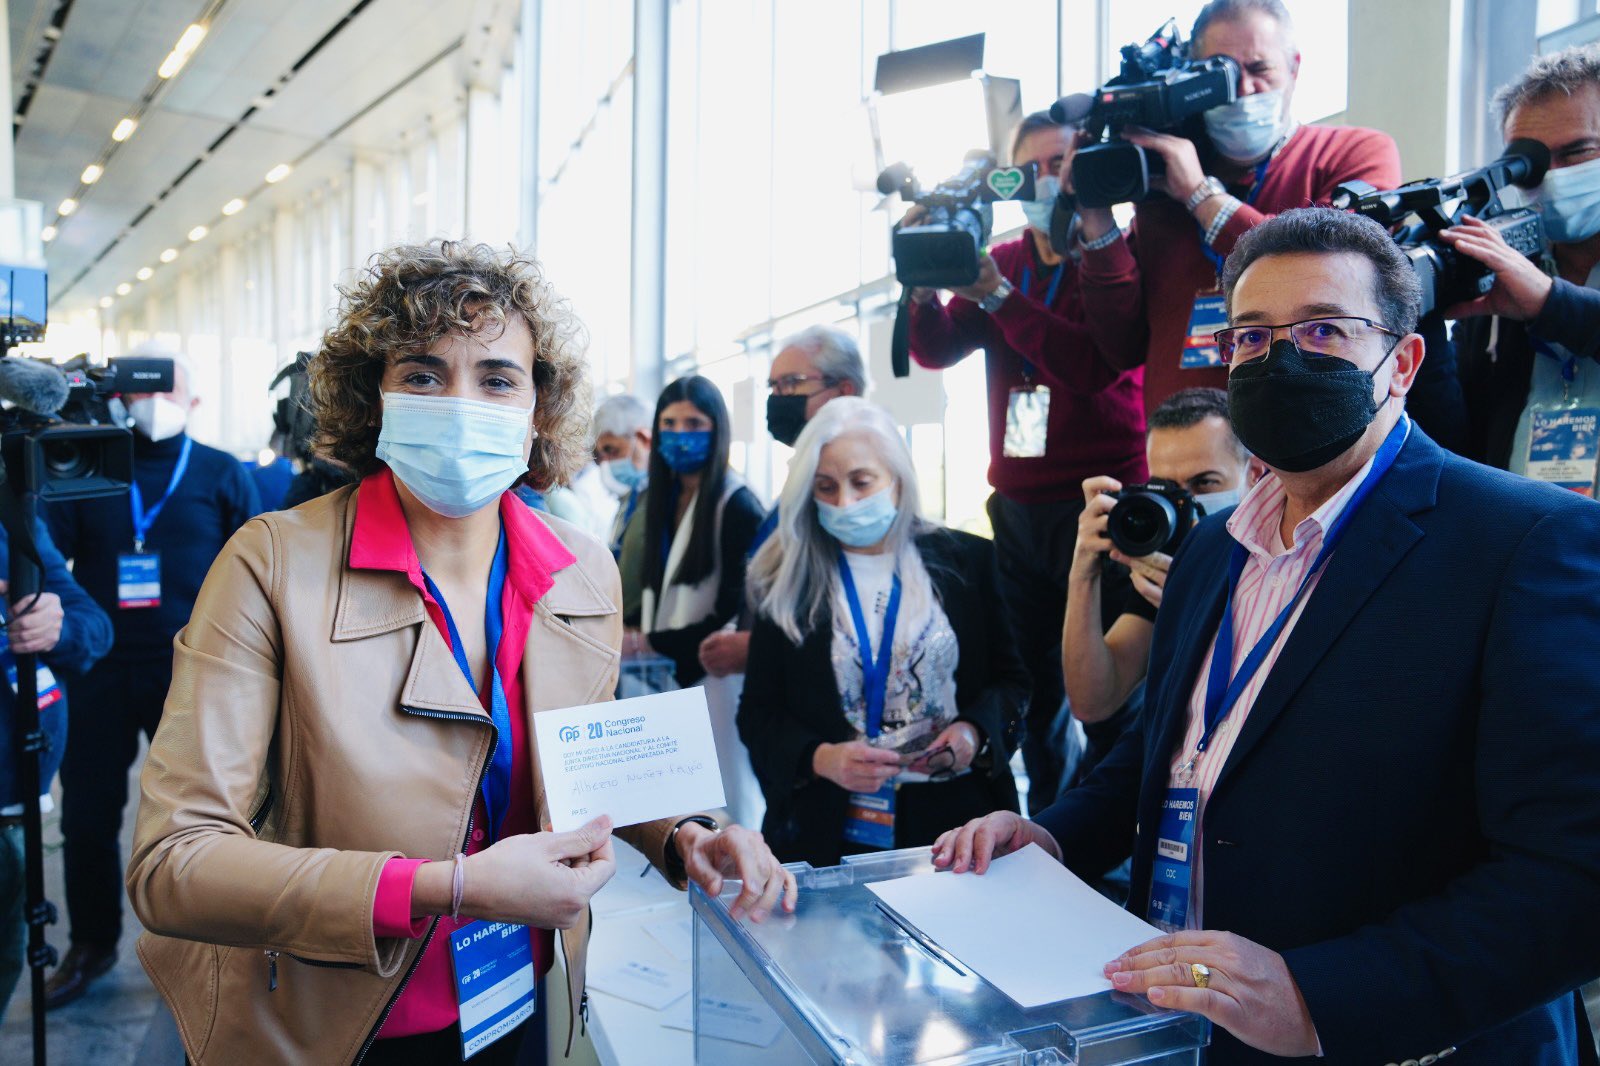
1221,692
874,669
1569,363
143,519
1249,199
1049,300
497,777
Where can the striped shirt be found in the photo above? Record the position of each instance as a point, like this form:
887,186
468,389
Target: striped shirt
1272,574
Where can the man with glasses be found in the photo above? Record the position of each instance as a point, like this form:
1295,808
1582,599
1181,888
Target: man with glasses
814,366
1369,750
1061,408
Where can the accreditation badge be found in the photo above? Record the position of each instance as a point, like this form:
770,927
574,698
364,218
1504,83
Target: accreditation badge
1564,447
1209,314
138,579
869,818
495,981
1173,871
1027,423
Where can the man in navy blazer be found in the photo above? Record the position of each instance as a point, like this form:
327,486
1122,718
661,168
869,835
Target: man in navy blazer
1398,811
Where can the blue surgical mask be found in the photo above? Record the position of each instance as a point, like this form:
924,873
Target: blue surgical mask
625,474
1043,204
1569,202
1212,502
456,456
684,450
860,524
1246,129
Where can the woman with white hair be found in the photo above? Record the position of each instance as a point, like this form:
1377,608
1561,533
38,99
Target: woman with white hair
884,692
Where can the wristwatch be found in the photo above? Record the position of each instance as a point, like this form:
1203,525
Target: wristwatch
1204,191
1002,292
674,860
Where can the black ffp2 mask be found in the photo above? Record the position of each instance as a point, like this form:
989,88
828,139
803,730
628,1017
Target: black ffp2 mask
786,417
1296,412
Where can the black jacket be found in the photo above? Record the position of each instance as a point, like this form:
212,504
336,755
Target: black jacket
791,699
1408,813
1495,384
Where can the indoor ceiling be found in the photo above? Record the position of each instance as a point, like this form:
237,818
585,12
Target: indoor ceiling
389,65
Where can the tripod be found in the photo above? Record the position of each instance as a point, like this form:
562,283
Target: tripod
25,577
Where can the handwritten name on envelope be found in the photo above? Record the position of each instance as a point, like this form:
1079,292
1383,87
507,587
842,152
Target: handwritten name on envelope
636,760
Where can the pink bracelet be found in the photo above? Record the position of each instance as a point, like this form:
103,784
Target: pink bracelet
458,886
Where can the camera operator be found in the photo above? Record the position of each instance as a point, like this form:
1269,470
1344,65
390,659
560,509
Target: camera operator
187,501
1192,444
68,631
1060,410
1527,349
1265,163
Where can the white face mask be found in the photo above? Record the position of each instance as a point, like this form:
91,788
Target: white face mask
456,456
1569,202
1043,204
157,417
1246,129
1212,502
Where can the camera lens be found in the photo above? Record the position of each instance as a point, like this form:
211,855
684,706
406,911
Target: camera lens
1142,522
66,460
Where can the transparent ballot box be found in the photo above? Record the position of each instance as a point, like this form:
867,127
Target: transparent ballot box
842,982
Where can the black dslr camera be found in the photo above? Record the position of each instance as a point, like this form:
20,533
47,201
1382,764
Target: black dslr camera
1447,276
944,249
1153,517
1160,88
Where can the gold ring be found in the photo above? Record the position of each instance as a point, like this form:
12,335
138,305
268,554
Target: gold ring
1201,974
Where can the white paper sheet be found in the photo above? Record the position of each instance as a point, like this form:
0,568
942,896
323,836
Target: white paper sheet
676,935
1028,926
748,1022
636,760
640,982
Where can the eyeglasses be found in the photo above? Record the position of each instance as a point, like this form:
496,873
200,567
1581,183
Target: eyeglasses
1338,336
789,384
942,764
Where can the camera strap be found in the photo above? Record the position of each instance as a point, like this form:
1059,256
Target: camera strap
874,668
1222,692
143,519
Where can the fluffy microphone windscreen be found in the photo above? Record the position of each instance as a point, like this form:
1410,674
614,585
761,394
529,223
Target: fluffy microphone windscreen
32,385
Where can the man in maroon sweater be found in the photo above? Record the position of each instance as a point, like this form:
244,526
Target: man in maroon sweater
1064,404
1264,163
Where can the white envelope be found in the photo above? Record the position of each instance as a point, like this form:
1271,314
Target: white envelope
749,1022
636,760
640,982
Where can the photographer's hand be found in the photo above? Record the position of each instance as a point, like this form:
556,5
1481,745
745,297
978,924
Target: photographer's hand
35,623
1092,541
1184,173
1149,573
1520,287
988,281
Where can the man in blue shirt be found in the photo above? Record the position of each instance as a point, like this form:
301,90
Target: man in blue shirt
142,557
67,631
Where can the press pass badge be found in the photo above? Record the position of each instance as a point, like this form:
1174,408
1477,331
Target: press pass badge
1564,447
1027,422
138,579
495,981
1210,313
45,684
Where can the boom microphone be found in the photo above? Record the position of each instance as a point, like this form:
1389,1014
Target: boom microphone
35,386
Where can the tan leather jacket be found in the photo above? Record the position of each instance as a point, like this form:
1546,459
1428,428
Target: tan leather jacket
318,726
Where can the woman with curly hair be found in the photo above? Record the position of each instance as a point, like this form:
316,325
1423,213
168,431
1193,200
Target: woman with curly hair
345,769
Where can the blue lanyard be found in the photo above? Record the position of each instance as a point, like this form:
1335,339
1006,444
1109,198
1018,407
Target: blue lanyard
1222,693
497,778
1250,199
627,516
874,669
1049,301
1569,363
143,519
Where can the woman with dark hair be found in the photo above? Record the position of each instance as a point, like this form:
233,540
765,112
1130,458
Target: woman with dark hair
700,521
345,768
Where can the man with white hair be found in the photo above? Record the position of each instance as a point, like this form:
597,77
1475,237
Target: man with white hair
816,365
142,557
622,448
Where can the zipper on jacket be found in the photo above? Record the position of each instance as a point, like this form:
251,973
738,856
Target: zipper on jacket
272,970
258,819
483,771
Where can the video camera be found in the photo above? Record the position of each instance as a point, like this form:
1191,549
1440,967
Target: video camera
1153,517
60,436
1160,88
945,248
1447,276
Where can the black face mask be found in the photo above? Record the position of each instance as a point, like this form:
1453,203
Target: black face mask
786,417
1296,412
